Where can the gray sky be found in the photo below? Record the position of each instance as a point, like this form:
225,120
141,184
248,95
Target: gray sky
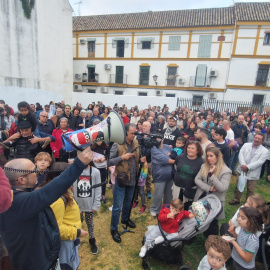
99,7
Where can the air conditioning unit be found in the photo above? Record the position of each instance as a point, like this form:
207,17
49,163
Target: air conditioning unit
82,41
181,81
107,66
77,87
212,95
159,93
104,90
213,73
78,76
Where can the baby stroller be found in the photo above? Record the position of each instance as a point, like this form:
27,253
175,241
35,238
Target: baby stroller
169,251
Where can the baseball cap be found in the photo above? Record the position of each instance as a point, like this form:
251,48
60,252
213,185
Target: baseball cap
24,124
174,118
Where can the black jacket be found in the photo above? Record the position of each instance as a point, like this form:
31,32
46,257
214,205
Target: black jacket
238,132
171,139
29,117
25,149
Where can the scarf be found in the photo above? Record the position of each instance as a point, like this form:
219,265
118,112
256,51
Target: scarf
170,130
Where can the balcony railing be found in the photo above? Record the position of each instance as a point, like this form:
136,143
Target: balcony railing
118,79
199,81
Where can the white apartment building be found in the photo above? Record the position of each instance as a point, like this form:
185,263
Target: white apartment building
157,57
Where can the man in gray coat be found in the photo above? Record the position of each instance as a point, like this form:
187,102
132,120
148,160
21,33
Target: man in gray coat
251,158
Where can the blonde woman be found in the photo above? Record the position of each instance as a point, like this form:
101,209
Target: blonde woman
213,178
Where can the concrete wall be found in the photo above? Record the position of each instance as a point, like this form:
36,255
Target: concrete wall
36,53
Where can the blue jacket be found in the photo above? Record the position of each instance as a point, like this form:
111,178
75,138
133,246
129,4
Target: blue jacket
161,169
29,228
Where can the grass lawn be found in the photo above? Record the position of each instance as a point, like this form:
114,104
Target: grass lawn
124,256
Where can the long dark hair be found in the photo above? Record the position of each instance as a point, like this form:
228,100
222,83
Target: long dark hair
55,170
254,217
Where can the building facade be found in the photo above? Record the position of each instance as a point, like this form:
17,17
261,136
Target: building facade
156,57
36,53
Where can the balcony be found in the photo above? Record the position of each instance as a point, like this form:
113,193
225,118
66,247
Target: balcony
118,79
199,81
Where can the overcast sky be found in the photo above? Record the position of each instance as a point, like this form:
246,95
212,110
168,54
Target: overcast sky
99,7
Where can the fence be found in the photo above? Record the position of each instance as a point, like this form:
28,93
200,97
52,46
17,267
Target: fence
222,105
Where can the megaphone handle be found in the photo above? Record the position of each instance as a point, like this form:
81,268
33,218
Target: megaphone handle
109,127
73,144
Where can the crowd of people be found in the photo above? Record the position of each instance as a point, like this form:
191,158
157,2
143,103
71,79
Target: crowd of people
182,155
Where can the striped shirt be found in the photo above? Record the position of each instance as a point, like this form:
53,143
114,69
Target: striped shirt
248,242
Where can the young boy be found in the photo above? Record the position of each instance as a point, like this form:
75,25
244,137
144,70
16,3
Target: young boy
170,217
179,147
42,161
218,252
26,115
88,199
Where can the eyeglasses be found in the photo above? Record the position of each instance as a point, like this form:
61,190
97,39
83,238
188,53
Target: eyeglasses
44,116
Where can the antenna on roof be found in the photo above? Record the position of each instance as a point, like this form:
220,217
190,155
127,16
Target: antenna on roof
79,7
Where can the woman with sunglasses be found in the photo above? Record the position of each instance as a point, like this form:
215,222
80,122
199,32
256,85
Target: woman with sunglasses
187,165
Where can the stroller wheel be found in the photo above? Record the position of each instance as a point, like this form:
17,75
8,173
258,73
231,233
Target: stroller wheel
146,264
184,267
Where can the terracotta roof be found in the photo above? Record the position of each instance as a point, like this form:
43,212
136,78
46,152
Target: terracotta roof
175,18
252,11
157,19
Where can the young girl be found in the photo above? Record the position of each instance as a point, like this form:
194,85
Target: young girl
246,245
100,162
255,201
42,161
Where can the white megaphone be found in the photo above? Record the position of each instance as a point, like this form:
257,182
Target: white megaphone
111,129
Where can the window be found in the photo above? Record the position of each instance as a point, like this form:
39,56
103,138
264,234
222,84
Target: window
201,75
197,100
266,40
118,92
146,44
258,99
91,48
262,75
144,75
91,73
91,91
120,48
119,74
172,72
205,42
174,42
142,94
170,95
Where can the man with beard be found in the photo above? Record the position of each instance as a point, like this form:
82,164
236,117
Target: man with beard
201,135
181,122
171,133
58,114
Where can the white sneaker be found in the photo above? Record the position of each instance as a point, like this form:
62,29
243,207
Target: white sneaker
159,239
153,214
143,251
110,208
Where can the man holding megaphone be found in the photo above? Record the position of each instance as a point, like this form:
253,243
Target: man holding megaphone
126,159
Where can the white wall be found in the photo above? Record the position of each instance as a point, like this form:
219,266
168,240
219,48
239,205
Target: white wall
36,52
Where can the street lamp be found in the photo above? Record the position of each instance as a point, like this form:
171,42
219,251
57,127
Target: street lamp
155,78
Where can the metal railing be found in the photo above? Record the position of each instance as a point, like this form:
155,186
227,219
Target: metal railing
195,83
221,105
119,80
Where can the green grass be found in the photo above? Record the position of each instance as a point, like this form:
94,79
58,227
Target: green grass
124,256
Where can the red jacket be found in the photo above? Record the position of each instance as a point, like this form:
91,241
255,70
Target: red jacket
125,120
13,129
5,192
170,225
57,145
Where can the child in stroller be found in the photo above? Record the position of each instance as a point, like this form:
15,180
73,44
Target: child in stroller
170,217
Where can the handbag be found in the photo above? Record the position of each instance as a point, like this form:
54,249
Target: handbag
242,180
122,179
240,140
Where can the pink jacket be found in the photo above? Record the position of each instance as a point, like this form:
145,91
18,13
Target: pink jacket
5,192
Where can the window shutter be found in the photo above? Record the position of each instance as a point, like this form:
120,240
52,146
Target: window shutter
205,42
144,75
174,42
152,43
139,43
119,74
114,43
201,75
126,42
